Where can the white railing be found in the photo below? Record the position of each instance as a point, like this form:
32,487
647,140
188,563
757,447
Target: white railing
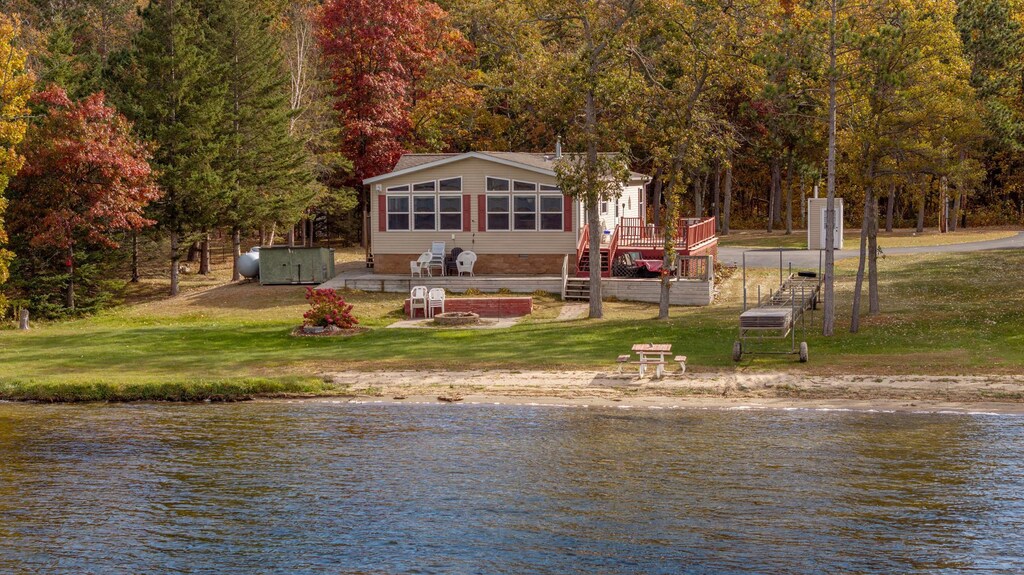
565,275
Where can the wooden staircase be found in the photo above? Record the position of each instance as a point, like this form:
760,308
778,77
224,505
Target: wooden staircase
577,289
583,265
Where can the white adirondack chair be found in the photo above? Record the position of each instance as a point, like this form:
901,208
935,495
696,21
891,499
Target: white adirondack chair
436,256
465,263
417,299
435,299
424,263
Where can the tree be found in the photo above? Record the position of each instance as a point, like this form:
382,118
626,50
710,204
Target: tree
15,89
178,103
85,177
265,170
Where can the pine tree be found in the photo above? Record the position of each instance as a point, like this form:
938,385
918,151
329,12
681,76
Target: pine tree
266,172
179,104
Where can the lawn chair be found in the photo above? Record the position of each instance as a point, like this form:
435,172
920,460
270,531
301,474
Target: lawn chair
465,263
450,267
435,300
414,269
437,256
417,299
424,263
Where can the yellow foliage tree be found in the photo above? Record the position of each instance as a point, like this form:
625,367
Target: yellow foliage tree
15,88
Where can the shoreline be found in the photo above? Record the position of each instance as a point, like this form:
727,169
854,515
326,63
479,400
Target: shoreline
998,394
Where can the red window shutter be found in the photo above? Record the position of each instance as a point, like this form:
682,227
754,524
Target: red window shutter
382,213
567,213
467,220
481,224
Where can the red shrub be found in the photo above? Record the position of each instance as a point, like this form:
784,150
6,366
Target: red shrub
327,308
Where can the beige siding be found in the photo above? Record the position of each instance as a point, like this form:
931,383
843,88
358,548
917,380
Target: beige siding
473,171
815,225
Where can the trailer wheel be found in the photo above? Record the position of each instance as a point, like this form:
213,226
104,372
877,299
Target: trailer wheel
737,351
803,352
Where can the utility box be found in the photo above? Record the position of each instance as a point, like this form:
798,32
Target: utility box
816,223
284,266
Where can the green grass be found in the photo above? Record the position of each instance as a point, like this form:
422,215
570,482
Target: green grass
958,313
900,238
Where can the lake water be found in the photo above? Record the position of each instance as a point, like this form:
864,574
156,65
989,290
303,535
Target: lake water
321,487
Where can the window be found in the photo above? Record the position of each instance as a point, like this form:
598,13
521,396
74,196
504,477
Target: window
425,187
450,185
399,188
518,186
449,213
497,212
398,212
551,213
604,207
547,188
497,185
423,212
525,212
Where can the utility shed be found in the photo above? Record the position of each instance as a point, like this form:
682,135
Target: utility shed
284,265
816,223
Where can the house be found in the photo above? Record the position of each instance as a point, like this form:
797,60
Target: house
504,206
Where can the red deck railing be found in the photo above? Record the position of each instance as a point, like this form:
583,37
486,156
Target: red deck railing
689,232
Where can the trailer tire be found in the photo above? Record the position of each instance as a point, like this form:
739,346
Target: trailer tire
803,352
737,351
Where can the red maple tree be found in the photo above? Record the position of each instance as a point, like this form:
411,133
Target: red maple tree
85,176
378,53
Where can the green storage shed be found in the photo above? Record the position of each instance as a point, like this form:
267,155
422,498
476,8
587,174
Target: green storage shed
284,265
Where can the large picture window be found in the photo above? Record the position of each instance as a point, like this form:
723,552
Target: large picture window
525,212
518,205
551,213
432,206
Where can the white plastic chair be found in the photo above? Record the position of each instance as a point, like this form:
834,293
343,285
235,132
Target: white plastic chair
414,269
417,299
424,263
436,256
435,300
465,263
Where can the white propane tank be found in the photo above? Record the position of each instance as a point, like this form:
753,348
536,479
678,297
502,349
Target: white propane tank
249,263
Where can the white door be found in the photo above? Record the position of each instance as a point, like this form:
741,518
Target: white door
838,228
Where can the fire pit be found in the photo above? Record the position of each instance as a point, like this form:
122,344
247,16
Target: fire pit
456,318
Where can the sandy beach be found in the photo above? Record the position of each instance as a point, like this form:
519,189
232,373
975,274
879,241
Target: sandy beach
979,393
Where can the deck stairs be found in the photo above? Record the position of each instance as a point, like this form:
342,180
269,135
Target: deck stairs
577,289
583,266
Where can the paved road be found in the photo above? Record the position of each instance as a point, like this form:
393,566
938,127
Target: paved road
808,259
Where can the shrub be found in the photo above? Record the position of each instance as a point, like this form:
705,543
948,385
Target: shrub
327,309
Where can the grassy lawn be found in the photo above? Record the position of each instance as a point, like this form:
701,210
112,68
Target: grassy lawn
944,314
897,239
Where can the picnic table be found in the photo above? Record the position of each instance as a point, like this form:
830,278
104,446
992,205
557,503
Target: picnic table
652,354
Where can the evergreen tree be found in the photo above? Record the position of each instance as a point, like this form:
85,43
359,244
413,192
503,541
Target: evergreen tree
179,104
267,173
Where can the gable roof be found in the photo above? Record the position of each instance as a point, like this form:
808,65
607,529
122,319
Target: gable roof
540,163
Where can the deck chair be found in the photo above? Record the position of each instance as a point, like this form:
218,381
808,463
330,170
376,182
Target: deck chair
465,263
424,263
417,299
414,269
437,256
435,299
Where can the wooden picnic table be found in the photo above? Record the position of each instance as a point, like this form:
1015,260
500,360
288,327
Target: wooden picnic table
652,354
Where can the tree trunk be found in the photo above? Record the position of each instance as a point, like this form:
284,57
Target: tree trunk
69,302
828,322
291,237
773,193
273,234
698,197
204,256
175,260
263,235
593,204
727,194
236,252
659,185
873,303
135,256
920,213
855,316
193,252
669,246
943,208
954,221
716,196
789,195
777,206
890,206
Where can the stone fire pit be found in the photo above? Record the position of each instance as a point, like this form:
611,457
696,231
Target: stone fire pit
456,318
